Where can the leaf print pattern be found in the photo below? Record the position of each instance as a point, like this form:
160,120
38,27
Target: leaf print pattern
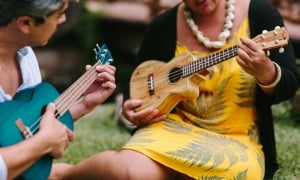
209,110
230,149
241,176
175,127
246,90
209,106
142,136
210,178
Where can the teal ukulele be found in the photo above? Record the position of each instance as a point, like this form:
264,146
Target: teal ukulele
20,118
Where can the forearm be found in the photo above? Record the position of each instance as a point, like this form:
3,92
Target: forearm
27,151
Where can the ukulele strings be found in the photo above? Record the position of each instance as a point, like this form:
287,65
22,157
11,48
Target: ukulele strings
65,101
67,98
215,58
197,65
76,90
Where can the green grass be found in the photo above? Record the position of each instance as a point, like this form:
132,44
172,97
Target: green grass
288,143
97,132
94,133
288,150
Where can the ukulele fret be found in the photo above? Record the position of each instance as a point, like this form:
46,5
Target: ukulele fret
75,91
208,61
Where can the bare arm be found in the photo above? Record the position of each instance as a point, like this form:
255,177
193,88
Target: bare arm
52,138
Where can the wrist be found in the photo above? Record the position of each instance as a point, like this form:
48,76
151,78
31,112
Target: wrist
275,82
80,108
127,123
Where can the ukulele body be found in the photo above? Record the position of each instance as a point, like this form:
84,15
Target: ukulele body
159,84
28,106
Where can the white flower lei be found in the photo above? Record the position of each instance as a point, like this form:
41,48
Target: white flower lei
222,36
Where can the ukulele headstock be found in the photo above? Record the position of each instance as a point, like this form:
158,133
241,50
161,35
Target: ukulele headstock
276,38
103,54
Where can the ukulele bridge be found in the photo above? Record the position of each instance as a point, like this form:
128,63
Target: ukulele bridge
150,81
25,131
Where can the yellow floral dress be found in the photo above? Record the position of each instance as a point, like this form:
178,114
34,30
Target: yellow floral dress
214,135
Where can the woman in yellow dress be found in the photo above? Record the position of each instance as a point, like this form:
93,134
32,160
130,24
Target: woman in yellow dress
213,135
226,131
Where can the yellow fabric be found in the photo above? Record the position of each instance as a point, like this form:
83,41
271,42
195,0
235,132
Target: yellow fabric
212,136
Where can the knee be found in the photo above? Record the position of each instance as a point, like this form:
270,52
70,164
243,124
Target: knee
130,172
149,171
132,165
133,172
57,171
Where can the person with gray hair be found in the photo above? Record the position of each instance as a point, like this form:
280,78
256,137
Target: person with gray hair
25,24
38,9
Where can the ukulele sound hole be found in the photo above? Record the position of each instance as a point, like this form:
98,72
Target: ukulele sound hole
43,110
175,74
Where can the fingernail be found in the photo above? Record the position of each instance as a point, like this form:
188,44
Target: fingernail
138,102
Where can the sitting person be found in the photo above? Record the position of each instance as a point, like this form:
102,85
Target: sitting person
31,23
225,131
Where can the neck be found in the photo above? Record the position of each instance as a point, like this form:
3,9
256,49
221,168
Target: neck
10,42
7,58
211,16
10,75
7,63
224,26
8,53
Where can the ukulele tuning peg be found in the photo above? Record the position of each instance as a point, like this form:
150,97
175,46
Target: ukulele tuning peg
264,31
97,48
97,45
268,53
281,50
110,61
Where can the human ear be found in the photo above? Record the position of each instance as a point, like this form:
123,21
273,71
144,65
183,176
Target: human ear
25,23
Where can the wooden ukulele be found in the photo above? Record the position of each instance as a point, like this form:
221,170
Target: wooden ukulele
20,117
163,85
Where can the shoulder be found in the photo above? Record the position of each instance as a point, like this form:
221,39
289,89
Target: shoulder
263,16
262,8
29,65
27,56
166,18
26,51
260,4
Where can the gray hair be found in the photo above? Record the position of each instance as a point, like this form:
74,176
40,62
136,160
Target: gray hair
38,9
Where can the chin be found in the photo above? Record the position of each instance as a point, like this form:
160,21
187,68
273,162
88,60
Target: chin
43,44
